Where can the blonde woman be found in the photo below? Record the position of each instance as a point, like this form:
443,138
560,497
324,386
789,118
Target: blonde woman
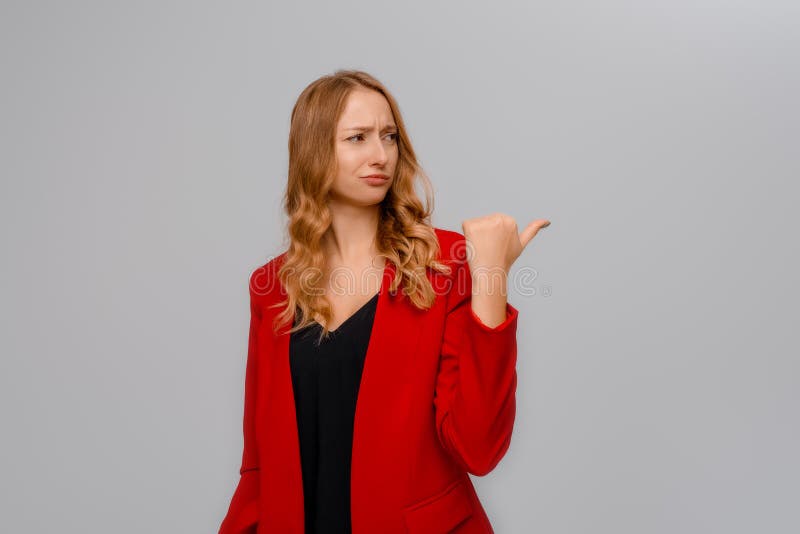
382,350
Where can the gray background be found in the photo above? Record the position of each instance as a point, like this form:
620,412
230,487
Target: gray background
143,160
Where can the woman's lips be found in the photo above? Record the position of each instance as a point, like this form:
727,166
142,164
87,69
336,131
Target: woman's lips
375,179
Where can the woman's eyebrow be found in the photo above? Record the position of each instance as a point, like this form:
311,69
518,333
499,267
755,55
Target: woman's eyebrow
369,128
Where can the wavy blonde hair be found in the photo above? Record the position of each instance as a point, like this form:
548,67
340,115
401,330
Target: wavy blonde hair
405,235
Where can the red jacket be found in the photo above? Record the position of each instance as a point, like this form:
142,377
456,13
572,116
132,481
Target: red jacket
436,401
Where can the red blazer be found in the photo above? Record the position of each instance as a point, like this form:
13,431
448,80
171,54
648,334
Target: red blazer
436,401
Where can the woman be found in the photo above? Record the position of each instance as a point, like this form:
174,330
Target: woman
370,303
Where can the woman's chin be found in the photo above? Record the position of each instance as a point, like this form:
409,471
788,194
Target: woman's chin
361,199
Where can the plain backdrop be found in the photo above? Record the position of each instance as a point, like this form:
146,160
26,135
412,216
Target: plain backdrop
143,157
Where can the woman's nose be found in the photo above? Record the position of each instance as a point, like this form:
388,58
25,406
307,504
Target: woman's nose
378,152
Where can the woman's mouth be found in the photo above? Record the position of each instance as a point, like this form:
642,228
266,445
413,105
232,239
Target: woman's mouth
376,179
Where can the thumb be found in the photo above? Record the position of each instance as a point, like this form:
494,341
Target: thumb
531,230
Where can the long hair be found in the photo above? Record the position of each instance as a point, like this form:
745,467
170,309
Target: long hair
404,236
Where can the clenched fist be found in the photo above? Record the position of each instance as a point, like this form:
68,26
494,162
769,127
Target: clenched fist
494,240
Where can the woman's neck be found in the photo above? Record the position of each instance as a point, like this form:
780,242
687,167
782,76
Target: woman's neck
351,239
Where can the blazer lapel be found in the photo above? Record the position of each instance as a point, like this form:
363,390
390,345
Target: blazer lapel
382,404
279,443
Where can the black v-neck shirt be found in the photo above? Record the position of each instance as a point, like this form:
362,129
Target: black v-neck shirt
326,378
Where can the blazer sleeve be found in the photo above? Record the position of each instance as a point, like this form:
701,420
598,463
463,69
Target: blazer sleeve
475,390
242,515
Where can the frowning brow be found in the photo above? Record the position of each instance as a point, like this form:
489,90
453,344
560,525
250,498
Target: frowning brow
370,128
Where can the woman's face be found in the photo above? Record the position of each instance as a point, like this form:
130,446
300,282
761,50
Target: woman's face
366,144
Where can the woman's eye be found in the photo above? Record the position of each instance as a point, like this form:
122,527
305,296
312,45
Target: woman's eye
393,136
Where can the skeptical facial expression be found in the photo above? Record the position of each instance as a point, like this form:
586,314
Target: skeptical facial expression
366,145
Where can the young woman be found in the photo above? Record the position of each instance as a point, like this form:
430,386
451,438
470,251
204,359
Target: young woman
382,350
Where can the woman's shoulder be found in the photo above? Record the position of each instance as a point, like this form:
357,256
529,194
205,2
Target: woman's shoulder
264,282
452,245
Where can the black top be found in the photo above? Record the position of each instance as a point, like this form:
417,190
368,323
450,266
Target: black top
325,378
